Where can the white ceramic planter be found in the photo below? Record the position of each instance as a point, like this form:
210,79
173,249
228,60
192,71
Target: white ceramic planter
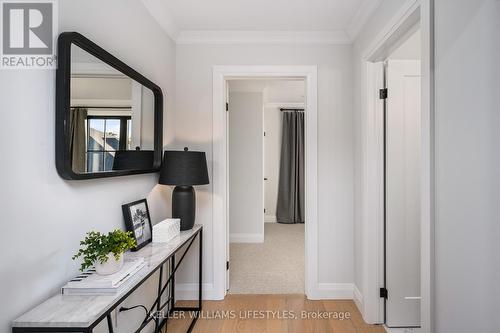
109,267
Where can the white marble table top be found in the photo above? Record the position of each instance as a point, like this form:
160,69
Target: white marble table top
82,311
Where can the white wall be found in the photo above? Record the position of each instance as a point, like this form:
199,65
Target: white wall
246,186
335,151
43,215
467,166
467,225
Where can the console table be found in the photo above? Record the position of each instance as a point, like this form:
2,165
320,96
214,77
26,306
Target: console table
67,313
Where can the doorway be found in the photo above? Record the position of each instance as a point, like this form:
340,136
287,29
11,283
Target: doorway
221,74
402,184
266,185
413,16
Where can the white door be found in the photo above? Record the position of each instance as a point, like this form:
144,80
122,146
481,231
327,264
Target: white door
403,149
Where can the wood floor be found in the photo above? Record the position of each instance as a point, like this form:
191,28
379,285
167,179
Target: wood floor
280,309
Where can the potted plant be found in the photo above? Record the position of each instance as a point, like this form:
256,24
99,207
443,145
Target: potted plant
105,251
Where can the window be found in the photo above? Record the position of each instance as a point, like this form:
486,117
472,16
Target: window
106,135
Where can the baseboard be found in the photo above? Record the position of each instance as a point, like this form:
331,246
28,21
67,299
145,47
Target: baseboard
246,238
270,219
358,298
189,291
402,330
332,291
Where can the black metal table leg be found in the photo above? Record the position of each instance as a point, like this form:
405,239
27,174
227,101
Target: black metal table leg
172,285
158,304
110,323
200,272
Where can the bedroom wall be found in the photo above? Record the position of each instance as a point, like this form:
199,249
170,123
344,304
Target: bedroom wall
44,217
335,138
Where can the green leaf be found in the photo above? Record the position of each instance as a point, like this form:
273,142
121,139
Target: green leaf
96,246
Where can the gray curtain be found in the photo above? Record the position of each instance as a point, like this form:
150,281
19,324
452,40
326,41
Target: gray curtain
290,207
78,146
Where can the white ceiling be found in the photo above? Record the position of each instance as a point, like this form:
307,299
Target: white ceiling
195,20
263,14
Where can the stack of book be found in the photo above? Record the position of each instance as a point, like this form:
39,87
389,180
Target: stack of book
91,283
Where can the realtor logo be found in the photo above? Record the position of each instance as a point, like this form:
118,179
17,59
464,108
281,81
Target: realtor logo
28,34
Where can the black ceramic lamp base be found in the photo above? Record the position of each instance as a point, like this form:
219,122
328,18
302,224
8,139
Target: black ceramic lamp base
184,206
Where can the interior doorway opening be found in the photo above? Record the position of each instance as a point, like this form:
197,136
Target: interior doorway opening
402,182
416,15
266,145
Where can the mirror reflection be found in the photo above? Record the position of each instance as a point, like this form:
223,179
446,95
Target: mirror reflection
111,118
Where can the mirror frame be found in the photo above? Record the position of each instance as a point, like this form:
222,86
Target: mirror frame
63,105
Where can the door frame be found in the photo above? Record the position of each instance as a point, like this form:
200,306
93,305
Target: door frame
371,305
220,167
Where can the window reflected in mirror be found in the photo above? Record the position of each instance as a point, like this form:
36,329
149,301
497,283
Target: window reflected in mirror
111,118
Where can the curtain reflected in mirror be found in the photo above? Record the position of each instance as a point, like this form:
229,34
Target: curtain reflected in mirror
78,120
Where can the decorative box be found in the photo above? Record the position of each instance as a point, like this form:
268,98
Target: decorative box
166,230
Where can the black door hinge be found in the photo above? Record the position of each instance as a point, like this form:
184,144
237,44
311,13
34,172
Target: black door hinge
264,133
383,93
227,265
384,293
227,106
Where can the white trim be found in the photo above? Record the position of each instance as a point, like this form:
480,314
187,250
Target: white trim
189,291
358,298
246,238
406,11
270,219
372,183
220,196
332,291
428,162
284,105
262,37
372,215
402,330
362,15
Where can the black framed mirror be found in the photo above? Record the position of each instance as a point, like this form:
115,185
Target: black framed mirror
108,116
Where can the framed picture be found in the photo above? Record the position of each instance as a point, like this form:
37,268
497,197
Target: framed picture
138,221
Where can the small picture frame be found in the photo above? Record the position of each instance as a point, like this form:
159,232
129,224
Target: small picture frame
138,221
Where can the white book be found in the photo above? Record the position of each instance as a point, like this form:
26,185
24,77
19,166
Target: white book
91,280
89,292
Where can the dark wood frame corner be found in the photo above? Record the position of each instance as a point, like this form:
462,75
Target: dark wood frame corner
63,104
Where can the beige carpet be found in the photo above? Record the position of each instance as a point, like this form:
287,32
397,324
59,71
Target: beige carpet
273,267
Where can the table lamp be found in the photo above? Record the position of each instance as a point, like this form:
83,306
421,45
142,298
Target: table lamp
184,169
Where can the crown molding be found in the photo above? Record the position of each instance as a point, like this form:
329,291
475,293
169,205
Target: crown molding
262,37
365,10
159,10
161,13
